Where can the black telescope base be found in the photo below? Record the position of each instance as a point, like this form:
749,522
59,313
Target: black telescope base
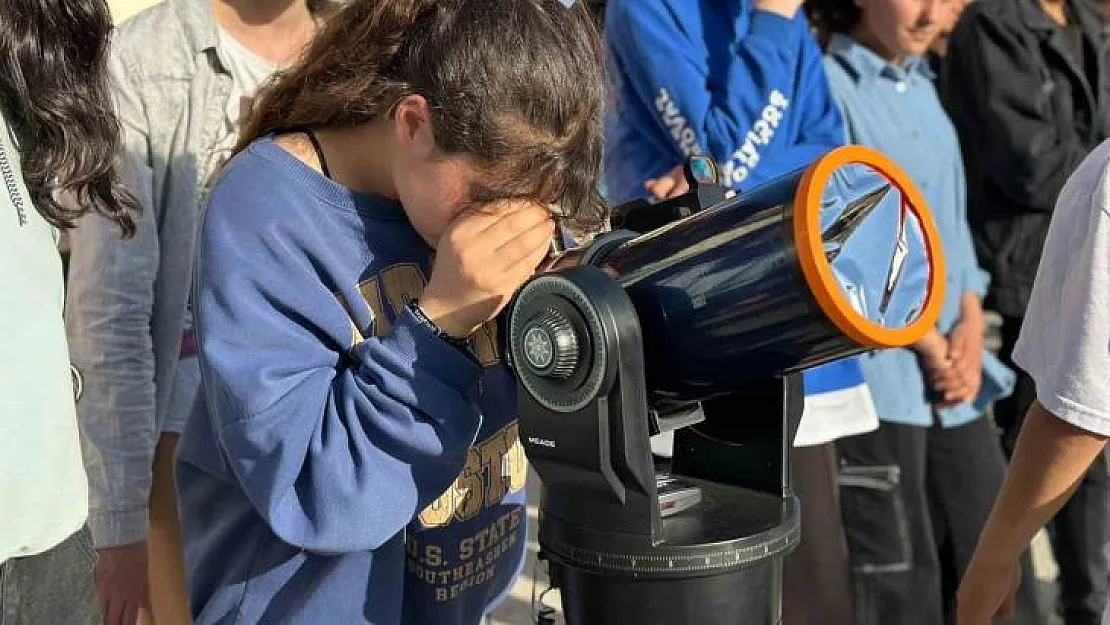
744,597
719,563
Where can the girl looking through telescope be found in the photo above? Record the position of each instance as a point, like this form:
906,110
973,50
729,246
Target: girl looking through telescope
353,456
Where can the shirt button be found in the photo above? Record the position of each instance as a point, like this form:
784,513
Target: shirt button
900,87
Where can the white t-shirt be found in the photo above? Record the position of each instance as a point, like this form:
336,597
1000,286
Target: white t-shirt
1065,339
248,71
827,417
43,493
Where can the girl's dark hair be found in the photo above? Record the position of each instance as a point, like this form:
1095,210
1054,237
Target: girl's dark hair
829,17
54,94
518,85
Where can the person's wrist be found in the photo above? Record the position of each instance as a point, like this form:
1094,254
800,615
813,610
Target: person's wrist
443,317
930,344
971,310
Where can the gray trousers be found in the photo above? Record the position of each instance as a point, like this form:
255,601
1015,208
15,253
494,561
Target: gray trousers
52,588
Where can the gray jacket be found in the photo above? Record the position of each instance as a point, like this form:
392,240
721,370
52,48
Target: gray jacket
126,304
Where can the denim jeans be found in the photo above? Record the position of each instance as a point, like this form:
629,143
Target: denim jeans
53,587
1080,532
914,500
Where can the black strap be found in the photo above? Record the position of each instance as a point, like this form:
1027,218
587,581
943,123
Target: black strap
319,150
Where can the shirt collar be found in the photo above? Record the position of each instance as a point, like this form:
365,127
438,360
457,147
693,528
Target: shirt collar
865,64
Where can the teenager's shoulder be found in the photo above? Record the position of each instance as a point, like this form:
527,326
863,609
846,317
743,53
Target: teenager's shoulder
264,167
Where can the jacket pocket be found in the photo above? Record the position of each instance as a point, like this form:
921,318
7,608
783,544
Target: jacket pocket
875,520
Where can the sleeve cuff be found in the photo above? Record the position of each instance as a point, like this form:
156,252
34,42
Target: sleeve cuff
1076,414
977,281
118,528
432,354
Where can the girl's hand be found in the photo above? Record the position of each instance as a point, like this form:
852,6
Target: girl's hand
483,257
940,372
987,591
965,350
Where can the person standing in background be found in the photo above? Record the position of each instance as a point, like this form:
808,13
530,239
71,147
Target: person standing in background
58,142
741,81
182,72
738,80
939,48
917,492
1065,347
1027,84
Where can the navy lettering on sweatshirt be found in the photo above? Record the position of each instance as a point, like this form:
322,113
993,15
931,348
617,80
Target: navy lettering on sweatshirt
342,463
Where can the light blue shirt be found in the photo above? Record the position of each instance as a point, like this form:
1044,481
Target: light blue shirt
896,111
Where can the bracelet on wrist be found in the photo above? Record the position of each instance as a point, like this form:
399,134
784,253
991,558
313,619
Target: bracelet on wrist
456,342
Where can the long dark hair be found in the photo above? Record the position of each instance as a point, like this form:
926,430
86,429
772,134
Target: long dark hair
516,84
54,93
829,17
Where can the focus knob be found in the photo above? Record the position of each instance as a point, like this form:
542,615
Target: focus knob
551,345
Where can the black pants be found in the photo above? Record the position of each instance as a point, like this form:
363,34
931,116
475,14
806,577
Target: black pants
1080,531
914,501
816,583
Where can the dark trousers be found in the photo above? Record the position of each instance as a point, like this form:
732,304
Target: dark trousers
816,584
1081,530
53,587
914,502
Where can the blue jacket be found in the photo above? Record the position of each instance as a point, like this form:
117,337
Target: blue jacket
343,464
715,77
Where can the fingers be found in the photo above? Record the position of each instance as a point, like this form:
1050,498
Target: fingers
681,187
115,608
1009,605
673,184
481,221
1006,610
515,223
130,613
660,189
531,244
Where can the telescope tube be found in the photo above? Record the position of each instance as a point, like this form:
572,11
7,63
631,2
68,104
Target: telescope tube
820,264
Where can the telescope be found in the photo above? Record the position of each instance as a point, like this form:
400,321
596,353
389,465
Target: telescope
696,316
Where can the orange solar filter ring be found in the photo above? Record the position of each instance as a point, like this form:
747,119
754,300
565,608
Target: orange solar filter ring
818,272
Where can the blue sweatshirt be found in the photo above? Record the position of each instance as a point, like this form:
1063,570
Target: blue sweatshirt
717,77
342,463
